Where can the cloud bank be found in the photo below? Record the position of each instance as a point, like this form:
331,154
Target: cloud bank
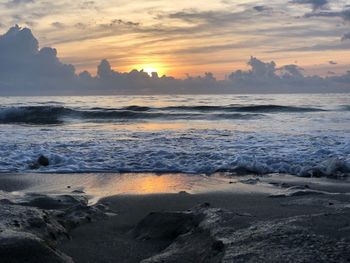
316,4
25,69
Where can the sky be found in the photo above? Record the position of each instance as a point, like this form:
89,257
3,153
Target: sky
189,37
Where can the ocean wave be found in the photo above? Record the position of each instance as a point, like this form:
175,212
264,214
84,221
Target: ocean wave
248,108
345,108
32,115
58,114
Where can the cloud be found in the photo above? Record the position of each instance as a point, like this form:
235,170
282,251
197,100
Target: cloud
24,66
218,18
265,77
58,25
346,37
261,8
315,4
334,45
344,14
14,3
27,70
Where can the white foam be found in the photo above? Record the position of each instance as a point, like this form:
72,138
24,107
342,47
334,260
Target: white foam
299,143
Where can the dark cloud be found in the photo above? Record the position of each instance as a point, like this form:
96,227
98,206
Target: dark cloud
344,14
14,3
118,22
218,17
344,45
261,8
315,4
331,62
24,66
58,25
212,17
265,76
27,70
346,36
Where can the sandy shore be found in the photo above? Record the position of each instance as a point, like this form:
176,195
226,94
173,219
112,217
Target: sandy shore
302,220
113,240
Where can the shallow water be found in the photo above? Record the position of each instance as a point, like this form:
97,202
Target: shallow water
177,134
97,186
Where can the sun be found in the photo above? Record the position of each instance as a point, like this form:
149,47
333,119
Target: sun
151,68
149,71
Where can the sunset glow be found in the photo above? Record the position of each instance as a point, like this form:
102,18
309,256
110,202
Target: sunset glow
215,36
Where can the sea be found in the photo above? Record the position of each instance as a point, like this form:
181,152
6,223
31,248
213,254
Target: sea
299,134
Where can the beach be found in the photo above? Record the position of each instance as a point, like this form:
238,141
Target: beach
160,132
234,178
222,219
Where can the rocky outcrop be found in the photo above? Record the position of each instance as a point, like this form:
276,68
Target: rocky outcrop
31,228
216,235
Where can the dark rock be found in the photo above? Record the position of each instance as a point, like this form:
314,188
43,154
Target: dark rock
165,225
218,245
78,192
205,205
43,161
55,202
16,247
81,214
5,202
194,240
251,181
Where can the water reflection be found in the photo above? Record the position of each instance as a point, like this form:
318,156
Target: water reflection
98,186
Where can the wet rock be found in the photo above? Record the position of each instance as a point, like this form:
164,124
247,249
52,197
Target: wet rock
43,161
222,236
54,202
218,245
78,192
165,225
81,214
28,233
197,237
25,247
5,202
251,181
197,246
297,191
308,238
31,220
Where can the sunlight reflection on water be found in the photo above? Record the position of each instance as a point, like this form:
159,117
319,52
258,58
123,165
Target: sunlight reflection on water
98,186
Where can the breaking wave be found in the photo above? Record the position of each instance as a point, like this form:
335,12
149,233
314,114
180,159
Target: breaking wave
299,135
59,114
248,108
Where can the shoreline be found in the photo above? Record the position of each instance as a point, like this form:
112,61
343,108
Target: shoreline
299,219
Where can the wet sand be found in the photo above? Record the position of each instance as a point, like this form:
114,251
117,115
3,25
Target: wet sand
113,240
299,221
